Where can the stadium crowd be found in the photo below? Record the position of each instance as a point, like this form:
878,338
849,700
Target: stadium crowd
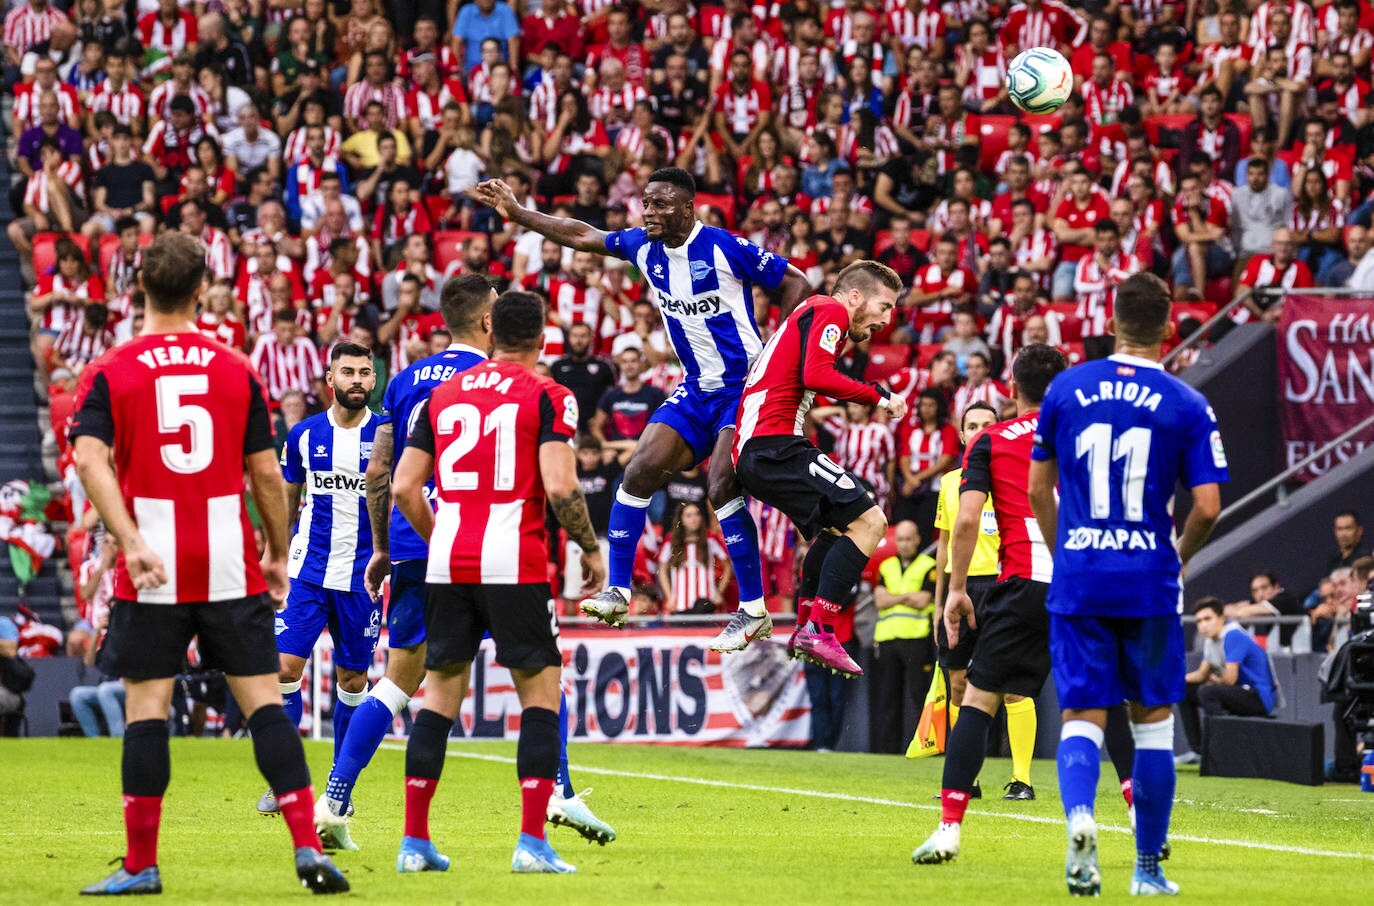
322,149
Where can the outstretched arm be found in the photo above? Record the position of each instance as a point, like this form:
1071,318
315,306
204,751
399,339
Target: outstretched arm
564,230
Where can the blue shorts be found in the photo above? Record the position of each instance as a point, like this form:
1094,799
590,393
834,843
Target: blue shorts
1102,661
405,615
353,618
699,416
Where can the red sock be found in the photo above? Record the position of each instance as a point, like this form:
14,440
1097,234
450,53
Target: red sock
142,815
1128,793
298,811
953,804
534,804
419,793
803,611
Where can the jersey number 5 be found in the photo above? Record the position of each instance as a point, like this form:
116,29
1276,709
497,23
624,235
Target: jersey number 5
1132,445
173,415
464,421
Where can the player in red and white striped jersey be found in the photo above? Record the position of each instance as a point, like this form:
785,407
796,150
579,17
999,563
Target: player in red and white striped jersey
692,563
166,426
493,575
284,359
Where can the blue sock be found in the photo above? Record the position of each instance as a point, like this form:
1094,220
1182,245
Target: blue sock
1152,780
623,531
1080,765
742,543
293,704
343,714
366,729
563,779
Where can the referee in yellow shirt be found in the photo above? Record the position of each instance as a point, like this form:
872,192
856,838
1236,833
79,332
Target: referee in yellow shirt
982,575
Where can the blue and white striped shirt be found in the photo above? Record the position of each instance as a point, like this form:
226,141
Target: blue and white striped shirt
333,540
705,290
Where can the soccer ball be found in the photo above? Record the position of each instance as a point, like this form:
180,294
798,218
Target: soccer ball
1039,80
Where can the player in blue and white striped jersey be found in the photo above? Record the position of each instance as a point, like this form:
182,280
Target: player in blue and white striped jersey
703,279
324,458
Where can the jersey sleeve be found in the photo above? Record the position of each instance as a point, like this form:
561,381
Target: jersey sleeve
978,465
1205,462
1044,448
557,415
94,415
626,243
821,347
749,262
422,434
946,505
257,435
292,466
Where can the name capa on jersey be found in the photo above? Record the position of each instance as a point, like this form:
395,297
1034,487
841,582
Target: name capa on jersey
1124,391
483,379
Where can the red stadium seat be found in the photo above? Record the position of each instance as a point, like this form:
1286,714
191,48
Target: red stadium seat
1175,122
1219,290
167,202
448,247
1245,125
886,359
109,243
992,138
1202,311
723,203
1041,122
437,206
886,548
45,249
1070,327
882,240
1075,353
925,352
921,239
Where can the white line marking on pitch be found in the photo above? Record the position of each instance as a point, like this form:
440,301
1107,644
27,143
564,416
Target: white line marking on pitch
870,800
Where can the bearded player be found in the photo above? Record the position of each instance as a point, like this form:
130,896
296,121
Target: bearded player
776,464
703,278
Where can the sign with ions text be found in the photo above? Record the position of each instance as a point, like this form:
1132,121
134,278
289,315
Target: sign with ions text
1326,377
641,686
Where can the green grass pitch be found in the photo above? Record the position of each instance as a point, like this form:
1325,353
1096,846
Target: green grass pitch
696,826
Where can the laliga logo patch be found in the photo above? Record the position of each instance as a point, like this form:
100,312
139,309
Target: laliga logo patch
570,412
1218,451
830,338
700,270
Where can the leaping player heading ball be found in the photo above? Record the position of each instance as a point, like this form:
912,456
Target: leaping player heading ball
703,279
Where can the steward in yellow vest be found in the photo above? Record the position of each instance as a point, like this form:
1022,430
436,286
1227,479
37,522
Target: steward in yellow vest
904,639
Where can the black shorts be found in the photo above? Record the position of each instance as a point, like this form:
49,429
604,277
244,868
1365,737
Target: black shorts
791,475
520,618
148,641
957,658
1013,650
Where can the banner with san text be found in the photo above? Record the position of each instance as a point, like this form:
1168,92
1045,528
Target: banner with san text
643,686
1326,377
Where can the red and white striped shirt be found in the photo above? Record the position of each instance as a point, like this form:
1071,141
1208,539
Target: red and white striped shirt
1214,56
121,276
575,302
987,71
614,106
919,28
1096,289
68,174
1052,24
631,140
26,104
777,537
162,96
127,103
544,103
1037,245
219,254
1304,22
924,448
229,330
284,368
575,143
429,108
908,383
979,211
294,151
1103,105
760,53
1006,329
991,391
1360,42
1299,60
77,346
445,61
172,148
692,580
252,292
60,314
414,326
865,450
742,110
1262,272
171,39
858,204
388,227
391,98
1317,219
25,26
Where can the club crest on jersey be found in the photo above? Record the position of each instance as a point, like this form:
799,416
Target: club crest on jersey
830,338
700,270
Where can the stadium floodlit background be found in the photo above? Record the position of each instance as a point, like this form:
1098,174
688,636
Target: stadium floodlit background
321,149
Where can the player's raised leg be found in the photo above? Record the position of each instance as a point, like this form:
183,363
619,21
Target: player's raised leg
751,621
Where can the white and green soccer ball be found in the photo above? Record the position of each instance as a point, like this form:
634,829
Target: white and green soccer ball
1039,80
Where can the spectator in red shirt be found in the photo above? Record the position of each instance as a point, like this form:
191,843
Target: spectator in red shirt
901,255
1074,220
939,287
1202,227
1281,269
1167,88
1100,33
927,447
744,106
